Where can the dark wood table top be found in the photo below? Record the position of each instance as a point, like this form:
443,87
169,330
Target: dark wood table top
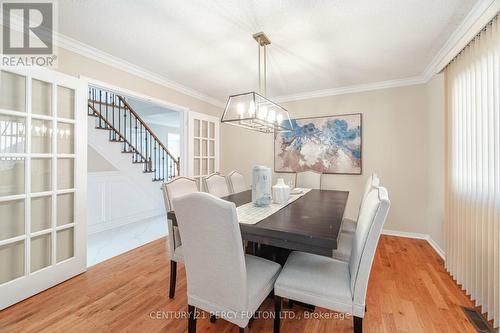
310,224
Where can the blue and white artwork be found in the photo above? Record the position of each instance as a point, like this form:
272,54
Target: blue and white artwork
323,144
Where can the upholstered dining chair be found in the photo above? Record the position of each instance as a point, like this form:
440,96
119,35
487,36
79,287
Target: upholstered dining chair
221,279
373,181
216,184
344,245
236,182
308,179
177,187
333,284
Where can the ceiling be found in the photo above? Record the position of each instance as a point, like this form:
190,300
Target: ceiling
208,47
153,113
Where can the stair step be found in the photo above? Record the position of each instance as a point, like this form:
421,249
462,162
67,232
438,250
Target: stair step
128,151
102,128
138,162
116,140
149,171
158,179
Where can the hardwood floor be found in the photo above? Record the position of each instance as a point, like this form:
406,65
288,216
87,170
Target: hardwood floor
409,291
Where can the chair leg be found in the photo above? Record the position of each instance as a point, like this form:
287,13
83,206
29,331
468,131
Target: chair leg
173,278
358,324
277,313
191,319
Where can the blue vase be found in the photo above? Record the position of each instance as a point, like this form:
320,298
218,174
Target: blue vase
261,186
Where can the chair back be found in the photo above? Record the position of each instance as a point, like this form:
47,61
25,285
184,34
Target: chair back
236,182
213,251
177,187
370,223
308,179
372,182
216,184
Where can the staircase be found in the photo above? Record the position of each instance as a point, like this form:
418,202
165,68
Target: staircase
114,114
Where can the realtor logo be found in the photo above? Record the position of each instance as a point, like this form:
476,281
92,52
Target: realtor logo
28,33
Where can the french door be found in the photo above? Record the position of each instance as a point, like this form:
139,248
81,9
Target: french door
203,145
42,181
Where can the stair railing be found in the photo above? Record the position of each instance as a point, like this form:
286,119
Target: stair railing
114,113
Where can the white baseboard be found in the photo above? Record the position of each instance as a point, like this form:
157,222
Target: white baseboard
436,247
415,235
404,234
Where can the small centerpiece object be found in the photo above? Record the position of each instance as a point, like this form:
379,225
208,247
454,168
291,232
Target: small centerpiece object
281,192
261,186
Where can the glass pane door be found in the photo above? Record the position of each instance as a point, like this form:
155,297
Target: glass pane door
37,182
203,138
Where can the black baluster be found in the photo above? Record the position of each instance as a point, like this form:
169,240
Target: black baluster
100,110
130,129
124,128
163,164
170,166
113,120
135,139
119,116
146,146
106,117
155,145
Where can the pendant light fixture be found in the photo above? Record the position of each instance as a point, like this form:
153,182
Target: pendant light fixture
253,110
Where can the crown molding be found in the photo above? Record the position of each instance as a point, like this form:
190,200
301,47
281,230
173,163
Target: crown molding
351,89
482,12
108,59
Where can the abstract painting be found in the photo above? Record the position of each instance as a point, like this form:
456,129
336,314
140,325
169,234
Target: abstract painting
323,144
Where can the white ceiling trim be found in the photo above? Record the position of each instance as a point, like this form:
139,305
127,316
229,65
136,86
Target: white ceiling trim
482,12
108,59
351,89
479,12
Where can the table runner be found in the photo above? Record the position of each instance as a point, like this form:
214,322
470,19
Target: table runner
250,214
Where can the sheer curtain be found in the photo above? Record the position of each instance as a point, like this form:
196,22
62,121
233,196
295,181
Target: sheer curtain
473,170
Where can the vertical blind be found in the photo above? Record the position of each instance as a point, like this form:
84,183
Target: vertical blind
473,170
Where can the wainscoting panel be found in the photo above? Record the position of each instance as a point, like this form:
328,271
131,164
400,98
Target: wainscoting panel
114,200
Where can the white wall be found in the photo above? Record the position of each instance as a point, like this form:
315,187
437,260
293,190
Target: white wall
435,161
96,162
402,141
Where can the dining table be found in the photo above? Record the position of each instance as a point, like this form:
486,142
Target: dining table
311,223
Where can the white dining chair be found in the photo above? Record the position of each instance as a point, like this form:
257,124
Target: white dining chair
236,182
308,179
216,184
221,279
373,181
348,227
175,188
333,284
